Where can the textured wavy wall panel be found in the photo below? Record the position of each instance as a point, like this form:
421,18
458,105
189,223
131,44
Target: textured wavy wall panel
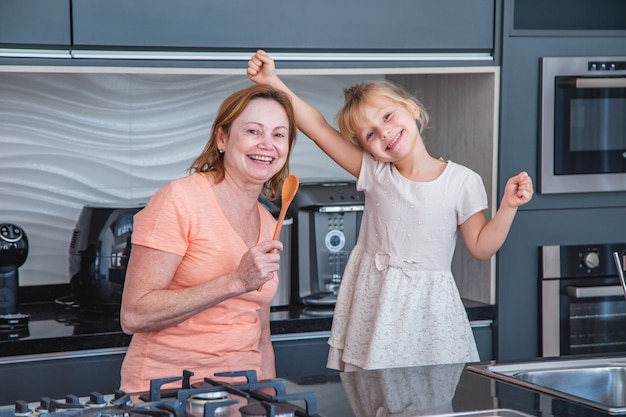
67,140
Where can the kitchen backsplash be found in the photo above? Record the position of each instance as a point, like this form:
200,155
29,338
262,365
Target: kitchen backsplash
70,139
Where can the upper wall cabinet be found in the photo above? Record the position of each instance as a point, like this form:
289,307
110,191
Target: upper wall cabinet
43,24
569,15
320,25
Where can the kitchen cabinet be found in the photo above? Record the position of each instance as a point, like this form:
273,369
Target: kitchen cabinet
235,25
549,219
300,354
30,377
569,15
483,334
303,354
41,24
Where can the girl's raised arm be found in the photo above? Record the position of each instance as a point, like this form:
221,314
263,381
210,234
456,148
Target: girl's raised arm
261,70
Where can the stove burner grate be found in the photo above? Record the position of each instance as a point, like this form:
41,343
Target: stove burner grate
210,398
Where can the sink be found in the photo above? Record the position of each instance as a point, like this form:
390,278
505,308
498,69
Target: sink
500,412
596,382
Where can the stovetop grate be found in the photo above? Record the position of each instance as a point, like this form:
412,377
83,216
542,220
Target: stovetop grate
252,397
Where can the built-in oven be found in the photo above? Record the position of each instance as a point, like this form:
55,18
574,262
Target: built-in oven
583,303
583,124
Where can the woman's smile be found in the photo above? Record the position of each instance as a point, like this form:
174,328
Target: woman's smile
260,158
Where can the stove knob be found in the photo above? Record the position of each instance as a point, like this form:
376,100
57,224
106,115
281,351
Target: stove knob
72,399
96,400
21,408
591,260
120,398
44,404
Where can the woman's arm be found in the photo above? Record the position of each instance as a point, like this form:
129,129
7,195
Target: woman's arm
148,304
261,70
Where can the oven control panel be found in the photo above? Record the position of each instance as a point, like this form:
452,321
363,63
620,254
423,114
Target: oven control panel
606,65
572,261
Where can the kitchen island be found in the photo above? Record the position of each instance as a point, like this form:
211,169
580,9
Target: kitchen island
441,390
65,350
428,390
95,346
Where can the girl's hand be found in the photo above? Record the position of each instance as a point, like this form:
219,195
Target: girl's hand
261,68
518,190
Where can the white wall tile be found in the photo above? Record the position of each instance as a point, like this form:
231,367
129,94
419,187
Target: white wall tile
70,139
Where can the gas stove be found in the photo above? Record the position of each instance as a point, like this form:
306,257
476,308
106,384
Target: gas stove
209,398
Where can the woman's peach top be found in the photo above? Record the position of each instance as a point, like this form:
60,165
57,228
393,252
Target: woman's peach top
184,218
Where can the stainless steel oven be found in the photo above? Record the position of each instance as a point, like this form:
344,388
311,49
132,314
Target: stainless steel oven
583,305
583,124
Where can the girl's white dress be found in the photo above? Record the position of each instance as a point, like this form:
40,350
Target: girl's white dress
398,304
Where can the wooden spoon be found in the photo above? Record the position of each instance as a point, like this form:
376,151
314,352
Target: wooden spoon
290,188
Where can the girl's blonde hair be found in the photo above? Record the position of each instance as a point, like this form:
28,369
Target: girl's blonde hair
358,96
230,109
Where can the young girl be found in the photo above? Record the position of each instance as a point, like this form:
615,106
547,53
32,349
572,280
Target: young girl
398,304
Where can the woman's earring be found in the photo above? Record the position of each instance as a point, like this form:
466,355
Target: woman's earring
220,151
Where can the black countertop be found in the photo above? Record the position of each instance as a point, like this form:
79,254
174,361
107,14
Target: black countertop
441,390
428,390
56,328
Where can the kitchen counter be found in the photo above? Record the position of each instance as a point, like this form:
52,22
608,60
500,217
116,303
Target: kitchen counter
427,390
57,328
441,390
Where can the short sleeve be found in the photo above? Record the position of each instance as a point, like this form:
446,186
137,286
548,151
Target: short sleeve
472,196
370,174
164,223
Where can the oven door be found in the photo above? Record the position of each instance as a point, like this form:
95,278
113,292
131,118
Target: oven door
583,316
589,125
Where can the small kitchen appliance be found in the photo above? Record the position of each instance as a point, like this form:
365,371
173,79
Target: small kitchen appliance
282,297
101,246
98,256
13,254
326,219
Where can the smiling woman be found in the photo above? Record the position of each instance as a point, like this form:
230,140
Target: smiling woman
203,245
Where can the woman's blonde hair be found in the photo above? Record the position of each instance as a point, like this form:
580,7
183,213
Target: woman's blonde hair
358,96
212,161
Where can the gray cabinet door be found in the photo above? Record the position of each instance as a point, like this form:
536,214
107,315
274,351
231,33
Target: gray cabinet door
35,24
300,357
29,380
398,25
483,334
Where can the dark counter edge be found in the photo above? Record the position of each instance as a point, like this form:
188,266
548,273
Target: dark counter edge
39,303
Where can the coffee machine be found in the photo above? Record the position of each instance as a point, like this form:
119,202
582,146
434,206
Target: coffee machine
13,254
98,255
326,220
283,293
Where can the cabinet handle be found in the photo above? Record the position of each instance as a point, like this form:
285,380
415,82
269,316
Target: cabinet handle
480,323
300,336
63,355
